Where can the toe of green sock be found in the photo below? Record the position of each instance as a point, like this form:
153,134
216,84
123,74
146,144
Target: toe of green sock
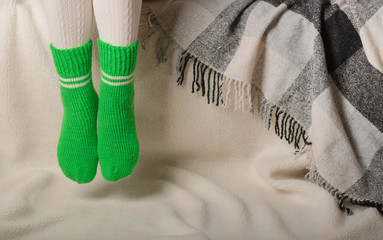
114,173
83,173
116,167
80,176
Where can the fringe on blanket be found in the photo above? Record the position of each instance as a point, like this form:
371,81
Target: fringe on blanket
223,91
220,90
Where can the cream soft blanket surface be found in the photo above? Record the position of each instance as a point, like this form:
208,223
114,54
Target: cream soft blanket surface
204,172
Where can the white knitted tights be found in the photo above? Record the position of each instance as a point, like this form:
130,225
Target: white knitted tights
70,21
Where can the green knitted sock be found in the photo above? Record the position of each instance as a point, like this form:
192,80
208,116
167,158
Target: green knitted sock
118,148
77,146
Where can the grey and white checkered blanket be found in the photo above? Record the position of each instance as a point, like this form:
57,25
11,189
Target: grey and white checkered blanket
314,69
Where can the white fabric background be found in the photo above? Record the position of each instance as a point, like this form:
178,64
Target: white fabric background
204,172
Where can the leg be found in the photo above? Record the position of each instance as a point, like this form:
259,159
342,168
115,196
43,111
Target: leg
69,24
118,147
117,20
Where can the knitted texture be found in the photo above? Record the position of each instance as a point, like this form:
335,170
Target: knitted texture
77,146
118,147
69,22
117,20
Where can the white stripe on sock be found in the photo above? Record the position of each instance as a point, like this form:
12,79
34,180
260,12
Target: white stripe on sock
74,79
76,85
116,77
117,83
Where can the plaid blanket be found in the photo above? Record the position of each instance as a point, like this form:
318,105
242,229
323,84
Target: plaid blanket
313,69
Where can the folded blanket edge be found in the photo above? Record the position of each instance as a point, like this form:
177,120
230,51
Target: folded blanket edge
218,90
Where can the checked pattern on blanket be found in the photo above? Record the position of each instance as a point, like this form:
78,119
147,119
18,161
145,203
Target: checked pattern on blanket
313,68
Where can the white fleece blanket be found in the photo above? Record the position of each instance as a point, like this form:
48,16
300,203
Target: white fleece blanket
204,172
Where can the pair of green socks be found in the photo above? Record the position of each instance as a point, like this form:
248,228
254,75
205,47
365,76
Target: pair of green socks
116,145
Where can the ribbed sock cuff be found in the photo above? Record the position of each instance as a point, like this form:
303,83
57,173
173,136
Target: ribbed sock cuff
118,60
73,62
